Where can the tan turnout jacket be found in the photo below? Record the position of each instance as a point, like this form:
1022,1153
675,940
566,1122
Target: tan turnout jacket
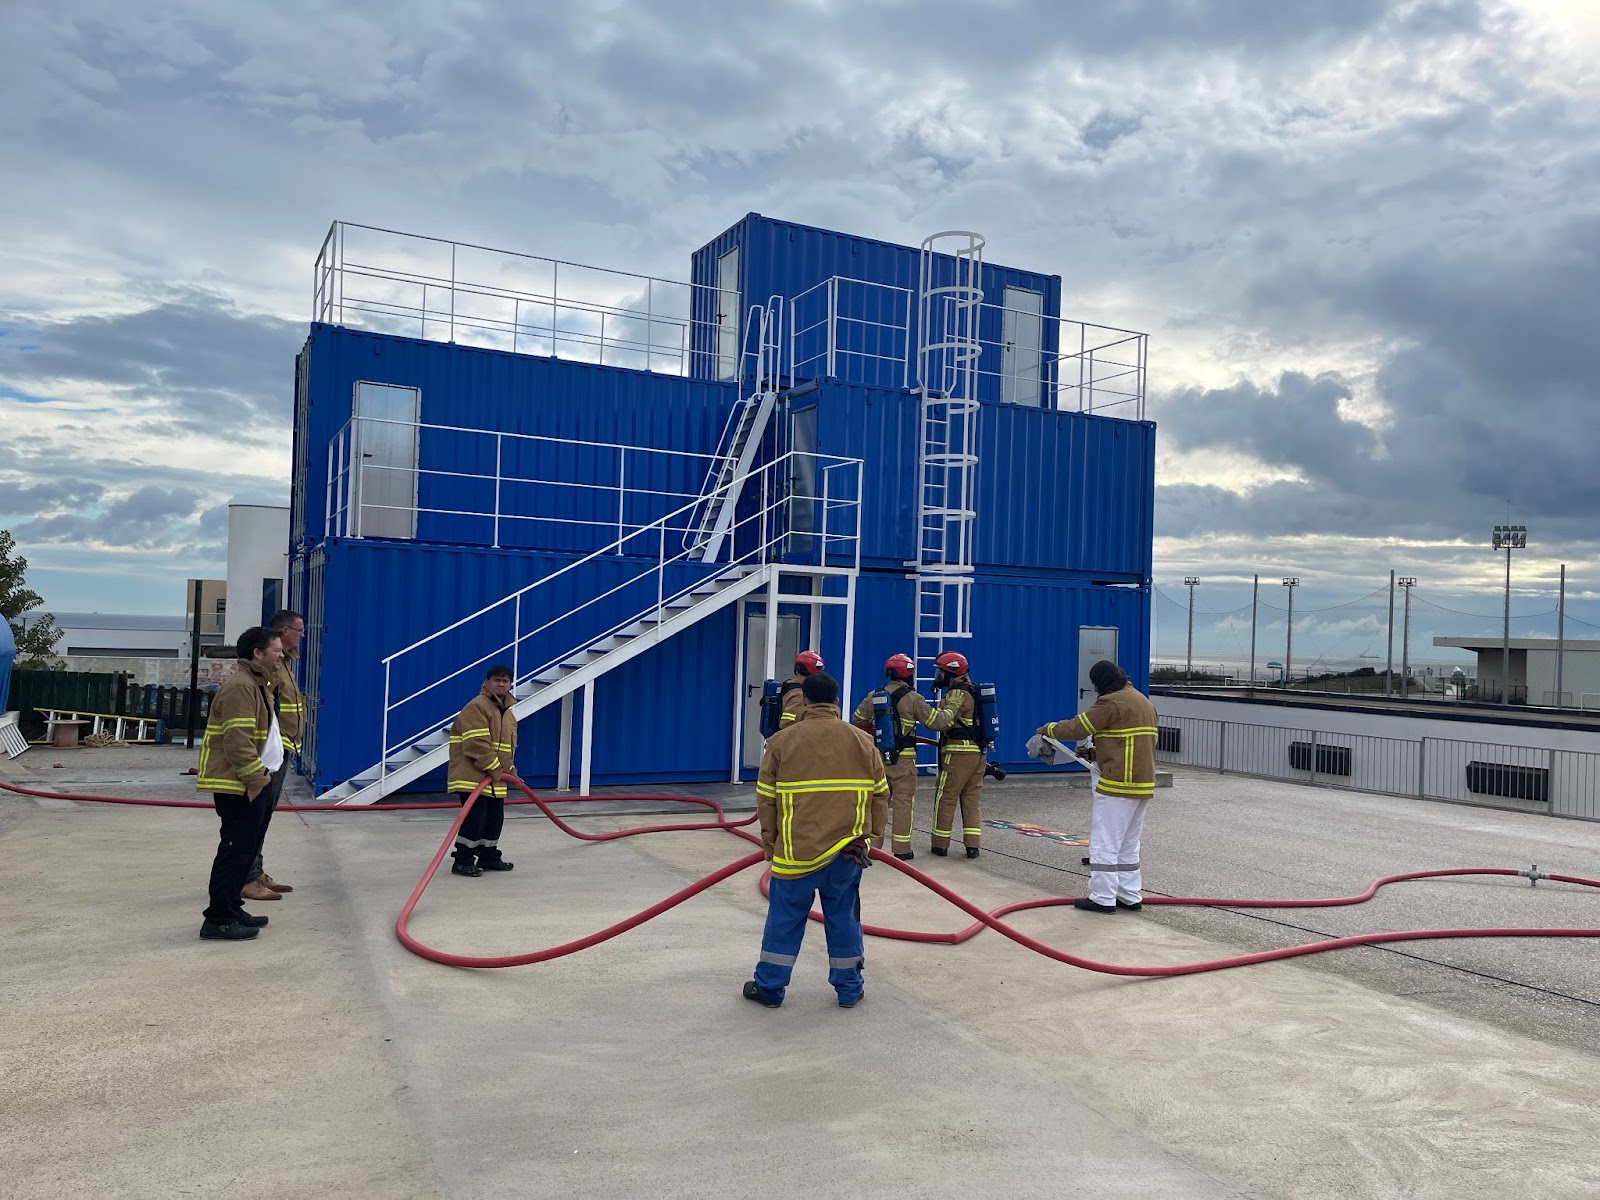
236,729
1123,725
483,739
794,699
291,705
821,786
910,710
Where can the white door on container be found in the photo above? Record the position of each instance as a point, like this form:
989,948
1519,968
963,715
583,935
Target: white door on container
384,447
1094,643
1022,328
755,673
729,302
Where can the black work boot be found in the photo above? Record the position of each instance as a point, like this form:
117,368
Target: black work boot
939,851
464,864
972,852
493,864
250,922
232,931
907,856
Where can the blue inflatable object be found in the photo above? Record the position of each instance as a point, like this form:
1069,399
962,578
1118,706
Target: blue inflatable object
8,656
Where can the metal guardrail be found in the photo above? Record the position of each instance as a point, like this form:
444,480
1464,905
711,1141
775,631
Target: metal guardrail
391,282
1561,783
1036,360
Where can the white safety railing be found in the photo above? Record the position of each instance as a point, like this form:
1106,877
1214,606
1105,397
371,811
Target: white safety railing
626,493
569,612
415,286
865,331
867,326
1560,782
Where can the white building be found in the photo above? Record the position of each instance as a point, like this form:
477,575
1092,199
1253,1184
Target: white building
1533,669
258,566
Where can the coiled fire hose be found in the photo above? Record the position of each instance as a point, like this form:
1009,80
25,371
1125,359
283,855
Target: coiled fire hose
981,919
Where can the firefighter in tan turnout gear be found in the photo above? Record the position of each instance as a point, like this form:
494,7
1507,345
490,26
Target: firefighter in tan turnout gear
900,764
1122,722
483,741
791,697
821,797
961,756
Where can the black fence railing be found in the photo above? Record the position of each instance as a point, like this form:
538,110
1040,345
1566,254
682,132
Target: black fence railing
104,693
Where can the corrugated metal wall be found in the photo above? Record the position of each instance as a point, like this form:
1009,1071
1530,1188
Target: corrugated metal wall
666,715
781,258
511,393
1056,492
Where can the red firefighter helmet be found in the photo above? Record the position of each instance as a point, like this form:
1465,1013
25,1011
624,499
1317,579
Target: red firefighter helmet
808,662
951,663
900,666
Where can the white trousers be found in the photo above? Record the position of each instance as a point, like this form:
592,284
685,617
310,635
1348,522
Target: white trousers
1115,823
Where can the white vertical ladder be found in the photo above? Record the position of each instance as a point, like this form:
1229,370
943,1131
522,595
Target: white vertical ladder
950,299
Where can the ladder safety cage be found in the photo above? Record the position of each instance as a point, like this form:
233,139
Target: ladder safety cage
949,347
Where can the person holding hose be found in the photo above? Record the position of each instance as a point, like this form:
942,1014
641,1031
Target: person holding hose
483,741
1122,722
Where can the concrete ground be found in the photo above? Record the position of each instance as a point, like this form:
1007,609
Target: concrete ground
324,1060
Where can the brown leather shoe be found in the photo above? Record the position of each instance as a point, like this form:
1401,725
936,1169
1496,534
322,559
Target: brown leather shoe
274,884
256,890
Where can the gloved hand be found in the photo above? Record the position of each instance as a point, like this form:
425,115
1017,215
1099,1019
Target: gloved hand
857,853
1039,748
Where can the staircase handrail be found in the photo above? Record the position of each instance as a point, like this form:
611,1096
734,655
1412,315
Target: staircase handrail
769,539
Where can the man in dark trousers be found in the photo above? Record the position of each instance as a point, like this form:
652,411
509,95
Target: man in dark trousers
1122,722
291,627
483,742
238,755
821,797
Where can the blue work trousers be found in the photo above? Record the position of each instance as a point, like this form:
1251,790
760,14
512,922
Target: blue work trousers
788,907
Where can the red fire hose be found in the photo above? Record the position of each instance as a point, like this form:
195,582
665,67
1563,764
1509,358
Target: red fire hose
981,918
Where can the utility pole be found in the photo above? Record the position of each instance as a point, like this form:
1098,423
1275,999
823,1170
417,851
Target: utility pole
1561,636
1508,538
1291,583
1255,595
194,666
1388,670
1408,582
1189,582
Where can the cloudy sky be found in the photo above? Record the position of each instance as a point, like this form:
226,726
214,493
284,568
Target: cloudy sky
1364,236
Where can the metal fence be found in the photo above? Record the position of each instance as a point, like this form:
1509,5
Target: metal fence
1562,783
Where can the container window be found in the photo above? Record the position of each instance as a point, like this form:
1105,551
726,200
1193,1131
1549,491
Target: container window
802,478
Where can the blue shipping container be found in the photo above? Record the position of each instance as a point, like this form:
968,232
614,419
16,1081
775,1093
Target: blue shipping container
874,327
471,388
1056,492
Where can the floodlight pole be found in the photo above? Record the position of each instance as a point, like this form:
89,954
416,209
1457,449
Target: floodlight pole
1188,670
1288,649
1508,538
1408,582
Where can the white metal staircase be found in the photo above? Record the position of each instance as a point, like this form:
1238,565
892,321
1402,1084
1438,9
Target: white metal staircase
431,751
416,720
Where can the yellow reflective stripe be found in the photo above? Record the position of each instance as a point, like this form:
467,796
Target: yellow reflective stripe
211,783
786,810
1083,719
960,748
812,863
494,763
766,789
880,787
291,744
823,785
1126,788
788,716
1050,729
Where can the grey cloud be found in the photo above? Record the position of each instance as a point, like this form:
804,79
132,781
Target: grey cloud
150,518
201,364
47,497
